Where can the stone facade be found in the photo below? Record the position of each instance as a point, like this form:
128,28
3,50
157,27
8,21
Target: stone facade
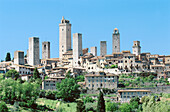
116,41
64,37
45,50
19,57
136,48
77,48
34,58
93,50
103,48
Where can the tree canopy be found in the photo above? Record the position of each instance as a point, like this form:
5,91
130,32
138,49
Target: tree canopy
12,74
68,90
101,103
8,57
36,74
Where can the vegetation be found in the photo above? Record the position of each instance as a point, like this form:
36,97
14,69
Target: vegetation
80,78
80,106
68,90
12,74
112,66
36,74
112,107
3,107
101,103
8,57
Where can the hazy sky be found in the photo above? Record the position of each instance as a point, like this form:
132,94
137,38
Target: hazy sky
145,20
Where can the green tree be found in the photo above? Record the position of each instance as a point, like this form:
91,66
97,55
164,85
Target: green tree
3,107
36,74
12,74
125,107
80,78
8,57
88,99
111,107
68,90
80,106
101,103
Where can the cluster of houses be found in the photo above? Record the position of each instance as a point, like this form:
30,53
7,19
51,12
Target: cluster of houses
100,71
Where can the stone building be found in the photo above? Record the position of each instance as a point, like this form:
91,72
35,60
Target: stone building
136,48
103,48
93,50
77,48
101,80
45,50
19,57
64,36
116,40
34,58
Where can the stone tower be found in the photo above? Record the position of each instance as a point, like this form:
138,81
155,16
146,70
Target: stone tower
77,48
103,48
136,48
116,41
34,58
93,50
64,37
19,57
45,50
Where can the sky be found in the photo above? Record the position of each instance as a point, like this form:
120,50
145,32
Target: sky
145,20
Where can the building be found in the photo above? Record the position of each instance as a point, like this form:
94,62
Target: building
34,58
116,41
126,95
101,80
45,50
64,36
136,48
103,48
50,84
77,48
19,57
93,50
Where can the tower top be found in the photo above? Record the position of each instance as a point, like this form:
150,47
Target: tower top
64,20
115,31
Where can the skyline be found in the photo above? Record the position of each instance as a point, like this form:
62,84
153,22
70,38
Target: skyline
45,24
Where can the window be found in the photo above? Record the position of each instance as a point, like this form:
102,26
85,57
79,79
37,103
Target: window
62,29
89,85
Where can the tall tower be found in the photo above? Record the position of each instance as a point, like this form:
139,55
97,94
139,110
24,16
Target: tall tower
45,50
34,58
136,48
64,37
93,50
103,48
116,41
77,48
19,57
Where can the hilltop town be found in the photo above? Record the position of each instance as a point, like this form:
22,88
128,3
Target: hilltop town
124,74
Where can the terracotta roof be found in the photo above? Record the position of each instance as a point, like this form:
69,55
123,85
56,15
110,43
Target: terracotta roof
133,90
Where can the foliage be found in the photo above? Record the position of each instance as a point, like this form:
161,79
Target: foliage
12,91
8,57
80,106
36,74
80,78
12,74
50,94
111,107
101,103
125,107
3,107
150,105
68,90
88,99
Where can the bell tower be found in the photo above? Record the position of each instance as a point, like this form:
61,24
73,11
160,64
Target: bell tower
116,40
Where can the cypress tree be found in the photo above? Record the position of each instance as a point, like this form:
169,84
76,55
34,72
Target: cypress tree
101,103
8,57
36,74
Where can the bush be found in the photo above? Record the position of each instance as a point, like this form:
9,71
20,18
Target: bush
3,107
88,99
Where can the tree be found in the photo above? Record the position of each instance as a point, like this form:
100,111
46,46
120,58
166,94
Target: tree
8,57
3,107
135,99
68,90
12,74
36,74
111,107
80,106
125,107
101,103
80,78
